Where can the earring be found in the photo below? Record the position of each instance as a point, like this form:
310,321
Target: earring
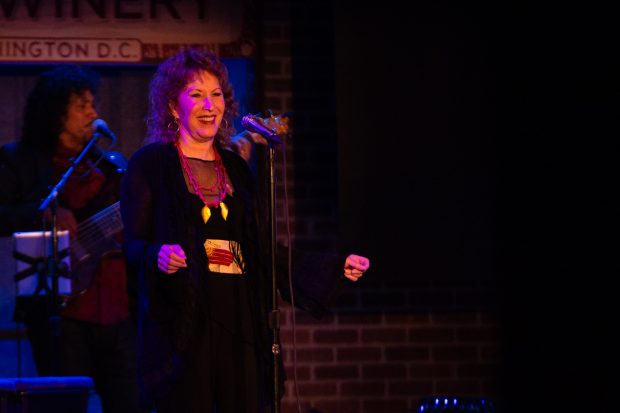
227,124
174,125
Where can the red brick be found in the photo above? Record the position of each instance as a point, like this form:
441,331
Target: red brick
409,387
454,353
314,355
408,319
302,336
335,336
345,371
384,371
289,405
363,388
384,335
337,406
407,353
313,389
360,319
391,405
303,318
358,354
303,373
431,335
432,370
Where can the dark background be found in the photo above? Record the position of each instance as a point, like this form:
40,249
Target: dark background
476,145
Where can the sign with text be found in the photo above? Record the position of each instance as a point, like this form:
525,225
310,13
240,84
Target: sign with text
121,31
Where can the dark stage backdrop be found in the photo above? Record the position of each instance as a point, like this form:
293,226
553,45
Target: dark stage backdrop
476,146
416,128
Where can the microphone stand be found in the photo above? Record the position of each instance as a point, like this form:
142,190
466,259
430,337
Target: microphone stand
274,316
53,263
254,124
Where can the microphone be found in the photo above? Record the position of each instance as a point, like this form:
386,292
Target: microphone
252,123
100,126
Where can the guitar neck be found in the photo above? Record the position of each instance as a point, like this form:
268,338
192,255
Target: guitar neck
106,222
95,237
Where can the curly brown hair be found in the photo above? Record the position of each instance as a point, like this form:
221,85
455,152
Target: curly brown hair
46,107
170,78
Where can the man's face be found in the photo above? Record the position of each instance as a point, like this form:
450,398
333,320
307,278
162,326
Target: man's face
78,121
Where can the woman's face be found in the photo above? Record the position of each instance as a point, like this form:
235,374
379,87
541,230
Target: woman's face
200,108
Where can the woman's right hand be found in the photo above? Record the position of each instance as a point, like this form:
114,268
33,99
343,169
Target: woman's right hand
171,258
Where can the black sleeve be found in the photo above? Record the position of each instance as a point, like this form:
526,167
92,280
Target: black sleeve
317,278
137,211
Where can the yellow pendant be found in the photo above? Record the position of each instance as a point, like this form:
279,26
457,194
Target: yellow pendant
206,213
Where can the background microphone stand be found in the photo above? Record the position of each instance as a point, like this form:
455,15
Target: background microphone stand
53,262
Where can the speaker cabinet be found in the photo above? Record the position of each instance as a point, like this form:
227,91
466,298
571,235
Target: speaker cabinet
45,394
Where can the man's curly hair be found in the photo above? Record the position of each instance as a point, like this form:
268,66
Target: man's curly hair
46,107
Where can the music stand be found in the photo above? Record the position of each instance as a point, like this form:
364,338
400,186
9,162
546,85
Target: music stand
31,268
30,253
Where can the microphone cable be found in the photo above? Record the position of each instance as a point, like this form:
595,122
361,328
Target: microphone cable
287,222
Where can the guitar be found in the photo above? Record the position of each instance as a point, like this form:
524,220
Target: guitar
93,239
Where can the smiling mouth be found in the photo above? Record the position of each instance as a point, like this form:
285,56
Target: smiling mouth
207,119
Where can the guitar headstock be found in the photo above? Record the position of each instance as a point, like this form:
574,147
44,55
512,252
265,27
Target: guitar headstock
276,123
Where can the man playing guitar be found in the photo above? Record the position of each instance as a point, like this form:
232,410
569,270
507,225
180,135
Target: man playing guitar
96,337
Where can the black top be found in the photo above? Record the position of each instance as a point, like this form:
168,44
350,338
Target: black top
227,293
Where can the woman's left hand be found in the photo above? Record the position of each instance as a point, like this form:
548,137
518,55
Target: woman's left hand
243,143
355,266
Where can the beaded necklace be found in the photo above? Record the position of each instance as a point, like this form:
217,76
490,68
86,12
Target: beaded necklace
220,185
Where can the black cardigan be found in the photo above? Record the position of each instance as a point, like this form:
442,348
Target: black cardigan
154,206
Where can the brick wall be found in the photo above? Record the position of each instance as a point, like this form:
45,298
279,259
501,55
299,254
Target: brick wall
384,346
373,361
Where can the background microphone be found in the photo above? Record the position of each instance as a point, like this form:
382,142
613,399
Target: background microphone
100,126
252,123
